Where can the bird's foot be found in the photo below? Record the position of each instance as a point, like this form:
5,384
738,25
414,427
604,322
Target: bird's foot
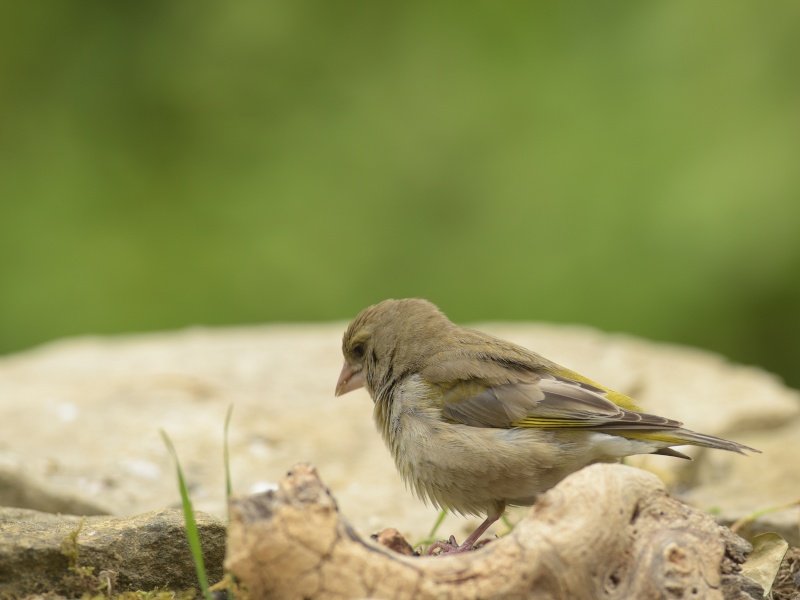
448,547
453,547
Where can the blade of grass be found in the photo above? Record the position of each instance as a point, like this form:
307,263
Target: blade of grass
754,516
438,523
432,535
225,455
507,522
192,535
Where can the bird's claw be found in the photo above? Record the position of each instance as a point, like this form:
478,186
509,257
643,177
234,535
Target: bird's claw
451,546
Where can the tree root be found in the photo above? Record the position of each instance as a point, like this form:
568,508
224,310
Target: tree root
607,531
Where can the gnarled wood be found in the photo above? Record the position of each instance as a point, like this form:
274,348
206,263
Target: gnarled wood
608,531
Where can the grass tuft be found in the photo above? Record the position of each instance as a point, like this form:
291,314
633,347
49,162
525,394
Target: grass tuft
192,535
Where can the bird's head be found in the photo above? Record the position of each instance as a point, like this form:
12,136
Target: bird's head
388,340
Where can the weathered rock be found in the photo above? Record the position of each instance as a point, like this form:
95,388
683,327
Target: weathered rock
114,394
139,553
17,489
608,531
737,488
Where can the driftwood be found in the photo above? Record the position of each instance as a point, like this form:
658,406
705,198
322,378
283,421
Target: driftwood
608,531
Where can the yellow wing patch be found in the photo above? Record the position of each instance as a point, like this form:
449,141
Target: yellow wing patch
552,423
620,400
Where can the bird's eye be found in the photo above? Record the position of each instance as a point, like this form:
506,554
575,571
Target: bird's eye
358,350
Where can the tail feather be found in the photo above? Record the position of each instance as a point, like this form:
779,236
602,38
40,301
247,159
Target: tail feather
671,452
687,436
681,437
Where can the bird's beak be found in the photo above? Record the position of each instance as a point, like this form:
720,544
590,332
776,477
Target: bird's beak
351,378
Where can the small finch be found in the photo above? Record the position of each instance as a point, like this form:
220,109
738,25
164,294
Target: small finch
476,423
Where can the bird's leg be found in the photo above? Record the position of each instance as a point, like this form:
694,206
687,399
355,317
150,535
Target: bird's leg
452,547
476,535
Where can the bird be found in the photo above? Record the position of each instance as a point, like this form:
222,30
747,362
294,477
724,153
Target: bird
476,423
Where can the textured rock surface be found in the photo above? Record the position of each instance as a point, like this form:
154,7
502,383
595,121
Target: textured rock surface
142,552
82,417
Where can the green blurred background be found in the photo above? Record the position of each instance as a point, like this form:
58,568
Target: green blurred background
633,166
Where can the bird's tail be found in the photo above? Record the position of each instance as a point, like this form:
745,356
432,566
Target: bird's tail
681,437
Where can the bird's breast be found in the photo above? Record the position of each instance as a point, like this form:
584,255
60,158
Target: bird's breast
464,468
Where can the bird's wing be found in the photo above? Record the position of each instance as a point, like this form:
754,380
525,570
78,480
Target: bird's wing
545,401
